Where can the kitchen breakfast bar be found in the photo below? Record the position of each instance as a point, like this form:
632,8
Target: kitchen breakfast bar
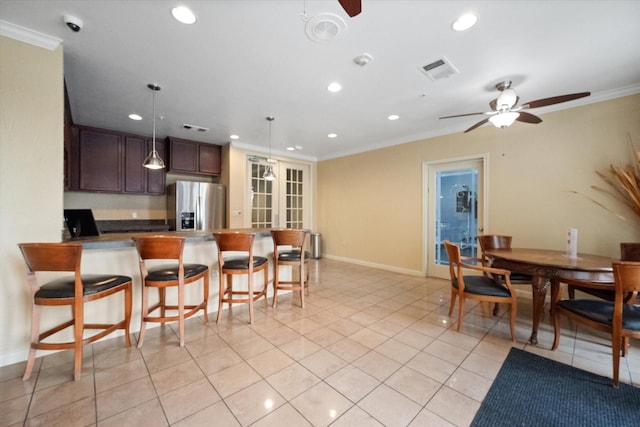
116,254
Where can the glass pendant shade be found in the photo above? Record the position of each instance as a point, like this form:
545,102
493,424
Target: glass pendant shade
153,160
503,120
268,174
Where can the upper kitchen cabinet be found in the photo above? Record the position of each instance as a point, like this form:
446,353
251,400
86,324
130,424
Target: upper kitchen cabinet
100,161
192,157
107,161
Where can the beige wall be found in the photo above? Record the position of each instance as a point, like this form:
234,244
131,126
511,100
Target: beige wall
31,172
370,205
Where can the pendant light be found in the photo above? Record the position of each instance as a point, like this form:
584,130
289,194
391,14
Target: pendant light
154,161
268,173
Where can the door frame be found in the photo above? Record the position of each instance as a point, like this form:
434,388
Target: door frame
483,204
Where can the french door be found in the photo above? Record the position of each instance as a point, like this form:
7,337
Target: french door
455,210
283,203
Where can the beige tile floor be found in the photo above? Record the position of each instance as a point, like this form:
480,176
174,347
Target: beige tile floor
370,348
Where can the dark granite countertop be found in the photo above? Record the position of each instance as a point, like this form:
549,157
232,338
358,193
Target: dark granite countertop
123,240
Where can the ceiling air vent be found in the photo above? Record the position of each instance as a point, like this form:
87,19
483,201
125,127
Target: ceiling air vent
194,127
439,69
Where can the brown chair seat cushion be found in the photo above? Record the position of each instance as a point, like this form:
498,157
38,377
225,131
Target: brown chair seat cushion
91,284
169,272
242,263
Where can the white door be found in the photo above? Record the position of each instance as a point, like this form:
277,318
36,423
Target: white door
283,203
455,210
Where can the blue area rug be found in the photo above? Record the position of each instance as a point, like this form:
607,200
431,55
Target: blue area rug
534,391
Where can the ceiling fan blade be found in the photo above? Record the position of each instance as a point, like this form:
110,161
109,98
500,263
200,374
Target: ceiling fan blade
528,118
555,100
480,123
352,7
461,115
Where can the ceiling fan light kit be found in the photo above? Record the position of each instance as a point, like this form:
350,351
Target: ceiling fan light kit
504,111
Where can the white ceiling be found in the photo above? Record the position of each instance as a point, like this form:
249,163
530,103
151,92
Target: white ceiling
244,60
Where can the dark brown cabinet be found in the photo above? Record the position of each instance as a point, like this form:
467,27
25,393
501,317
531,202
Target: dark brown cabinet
100,161
107,161
192,157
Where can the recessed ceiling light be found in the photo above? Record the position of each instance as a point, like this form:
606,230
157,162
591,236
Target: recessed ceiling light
334,87
183,15
332,135
291,148
135,116
298,147
465,22
393,117
234,137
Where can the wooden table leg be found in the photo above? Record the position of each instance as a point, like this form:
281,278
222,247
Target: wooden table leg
539,286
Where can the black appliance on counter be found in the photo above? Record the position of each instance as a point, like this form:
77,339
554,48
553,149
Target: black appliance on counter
80,222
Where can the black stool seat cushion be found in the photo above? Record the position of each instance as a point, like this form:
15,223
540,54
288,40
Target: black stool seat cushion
483,285
169,272
91,284
602,312
292,256
242,263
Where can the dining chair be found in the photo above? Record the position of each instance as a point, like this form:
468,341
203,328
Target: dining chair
288,250
175,274
628,252
497,241
619,318
74,291
493,285
235,257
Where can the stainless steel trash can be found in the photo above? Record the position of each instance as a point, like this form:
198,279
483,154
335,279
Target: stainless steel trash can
316,245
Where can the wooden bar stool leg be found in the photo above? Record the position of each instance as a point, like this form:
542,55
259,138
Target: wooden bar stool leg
181,313
128,304
206,298
145,313
220,294
78,322
276,267
35,339
251,298
302,281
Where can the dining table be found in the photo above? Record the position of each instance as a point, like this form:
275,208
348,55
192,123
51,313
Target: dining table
547,267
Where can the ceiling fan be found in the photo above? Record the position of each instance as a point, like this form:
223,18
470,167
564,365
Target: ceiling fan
352,7
504,111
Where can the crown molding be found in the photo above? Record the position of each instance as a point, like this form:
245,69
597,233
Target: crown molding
27,35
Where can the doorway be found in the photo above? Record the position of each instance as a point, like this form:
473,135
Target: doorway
283,203
455,210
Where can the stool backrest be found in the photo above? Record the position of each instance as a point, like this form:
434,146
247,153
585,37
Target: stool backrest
159,247
288,237
52,256
234,241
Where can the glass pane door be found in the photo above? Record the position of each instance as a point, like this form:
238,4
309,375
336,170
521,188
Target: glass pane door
454,212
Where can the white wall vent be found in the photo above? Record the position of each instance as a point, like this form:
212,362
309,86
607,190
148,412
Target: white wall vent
194,127
439,69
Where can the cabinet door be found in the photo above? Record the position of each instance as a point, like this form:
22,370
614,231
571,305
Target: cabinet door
100,161
134,172
209,159
156,179
184,155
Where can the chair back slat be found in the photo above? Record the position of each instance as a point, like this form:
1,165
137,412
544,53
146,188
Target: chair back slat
52,256
234,241
627,276
453,252
494,241
289,237
630,251
159,247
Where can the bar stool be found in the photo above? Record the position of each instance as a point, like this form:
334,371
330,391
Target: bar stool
73,290
176,274
239,264
295,256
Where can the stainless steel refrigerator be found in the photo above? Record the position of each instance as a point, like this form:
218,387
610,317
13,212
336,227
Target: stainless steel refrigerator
196,206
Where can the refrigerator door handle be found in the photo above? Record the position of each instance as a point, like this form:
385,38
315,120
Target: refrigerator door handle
198,215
